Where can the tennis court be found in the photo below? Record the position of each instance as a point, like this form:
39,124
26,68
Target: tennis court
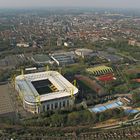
106,106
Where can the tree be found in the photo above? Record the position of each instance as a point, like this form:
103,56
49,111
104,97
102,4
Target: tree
102,117
73,118
86,116
57,119
136,97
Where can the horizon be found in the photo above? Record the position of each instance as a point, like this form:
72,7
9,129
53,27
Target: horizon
68,8
119,4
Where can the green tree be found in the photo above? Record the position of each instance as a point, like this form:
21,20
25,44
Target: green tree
86,116
57,119
73,118
102,117
136,97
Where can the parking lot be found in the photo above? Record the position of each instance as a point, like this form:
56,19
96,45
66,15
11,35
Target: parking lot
22,113
10,103
6,104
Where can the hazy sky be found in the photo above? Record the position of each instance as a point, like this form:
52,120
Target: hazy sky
71,3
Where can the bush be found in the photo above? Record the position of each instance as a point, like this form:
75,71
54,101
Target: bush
136,97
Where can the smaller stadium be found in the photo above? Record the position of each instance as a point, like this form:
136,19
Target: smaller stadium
102,73
44,91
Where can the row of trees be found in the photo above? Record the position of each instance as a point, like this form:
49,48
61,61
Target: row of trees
4,75
72,118
123,47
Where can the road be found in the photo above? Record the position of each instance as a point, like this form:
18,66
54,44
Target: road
135,120
137,115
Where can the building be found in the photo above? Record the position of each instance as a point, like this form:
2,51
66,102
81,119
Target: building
109,57
24,45
66,44
133,42
41,59
99,70
63,58
84,52
59,42
44,91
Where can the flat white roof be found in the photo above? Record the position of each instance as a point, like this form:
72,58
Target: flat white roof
30,94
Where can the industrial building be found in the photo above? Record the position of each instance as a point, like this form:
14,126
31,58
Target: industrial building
109,57
41,59
84,52
63,58
45,91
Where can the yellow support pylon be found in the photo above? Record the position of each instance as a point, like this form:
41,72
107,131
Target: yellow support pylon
22,72
13,80
72,92
47,68
74,82
60,70
38,101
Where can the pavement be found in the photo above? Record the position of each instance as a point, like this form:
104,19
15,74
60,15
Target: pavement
6,104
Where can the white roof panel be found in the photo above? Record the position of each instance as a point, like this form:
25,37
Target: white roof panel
30,93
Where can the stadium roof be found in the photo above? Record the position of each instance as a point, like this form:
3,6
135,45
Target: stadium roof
30,94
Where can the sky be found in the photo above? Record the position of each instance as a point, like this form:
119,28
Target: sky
70,3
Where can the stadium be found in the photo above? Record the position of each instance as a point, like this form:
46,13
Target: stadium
44,91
